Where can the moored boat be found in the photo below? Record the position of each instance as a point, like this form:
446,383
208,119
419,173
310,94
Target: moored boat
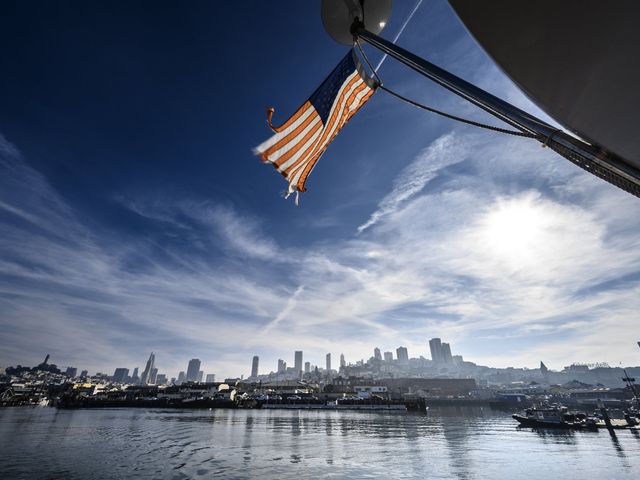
554,416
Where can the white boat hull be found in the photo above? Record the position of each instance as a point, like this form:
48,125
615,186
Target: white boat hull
578,60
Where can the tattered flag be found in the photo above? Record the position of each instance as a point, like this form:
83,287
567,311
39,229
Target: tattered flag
299,142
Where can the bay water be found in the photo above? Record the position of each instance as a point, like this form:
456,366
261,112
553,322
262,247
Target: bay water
449,442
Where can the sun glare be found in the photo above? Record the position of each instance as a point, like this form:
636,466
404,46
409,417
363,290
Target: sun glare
515,227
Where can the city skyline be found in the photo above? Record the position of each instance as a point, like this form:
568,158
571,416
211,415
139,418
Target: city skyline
319,360
135,217
437,352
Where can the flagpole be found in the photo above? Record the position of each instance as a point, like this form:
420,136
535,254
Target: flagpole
603,164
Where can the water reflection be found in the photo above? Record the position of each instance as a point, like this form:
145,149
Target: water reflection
447,443
248,436
456,431
552,436
616,443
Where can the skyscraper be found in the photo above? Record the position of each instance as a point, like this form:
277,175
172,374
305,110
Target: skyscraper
307,367
376,354
181,378
402,354
134,378
388,356
120,375
281,367
71,372
85,373
328,366
144,379
446,353
153,376
254,366
298,361
436,350
211,378
161,379
343,363
543,369
192,370
200,376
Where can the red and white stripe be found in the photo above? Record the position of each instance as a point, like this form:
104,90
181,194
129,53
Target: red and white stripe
300,141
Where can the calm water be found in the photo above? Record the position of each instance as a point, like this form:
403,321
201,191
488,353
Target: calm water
449,443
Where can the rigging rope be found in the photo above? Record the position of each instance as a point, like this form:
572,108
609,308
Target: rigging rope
440,112
458,119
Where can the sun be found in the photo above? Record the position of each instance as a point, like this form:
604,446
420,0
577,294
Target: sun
515,228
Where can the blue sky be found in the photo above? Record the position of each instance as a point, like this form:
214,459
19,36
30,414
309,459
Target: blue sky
134,216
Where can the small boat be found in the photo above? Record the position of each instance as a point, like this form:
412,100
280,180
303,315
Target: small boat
554,416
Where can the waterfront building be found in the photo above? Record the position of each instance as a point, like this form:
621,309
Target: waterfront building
120,375
211,378
144,379
388,357
298,361
376,354
153,375
435,346
192,370
307,367
343,363
446,353
254,366
71,372
328,363
436,387
161,379
403,355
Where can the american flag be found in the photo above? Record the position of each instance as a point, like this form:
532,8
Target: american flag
299,142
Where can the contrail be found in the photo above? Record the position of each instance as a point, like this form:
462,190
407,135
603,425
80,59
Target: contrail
291,303
384,57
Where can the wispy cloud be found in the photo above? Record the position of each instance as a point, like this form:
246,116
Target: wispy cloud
445,151
490,242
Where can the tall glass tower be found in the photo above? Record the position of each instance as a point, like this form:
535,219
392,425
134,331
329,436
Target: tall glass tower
435,346
145,379
193,369
254,366
298,361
